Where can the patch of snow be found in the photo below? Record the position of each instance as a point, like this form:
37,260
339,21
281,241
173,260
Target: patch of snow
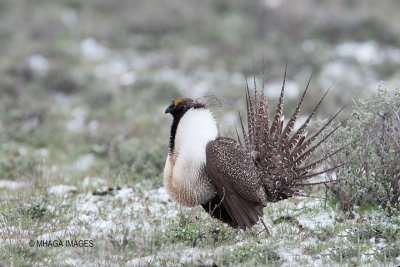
115,67
93,181
22,151
273,89
77,120
273,4
125,194
62,103
54,169
84,218
309,203
14,242
237,78
92,50
43,152
176,77
156,195
30,124
365,53
219,75
184,257
93,125
195,85
73,262
112,69
69,17
199,89
103,227
196,53
61,189
52,235
290,255
313,221
39,64
89,204
64,234
162,195
346,74
393,54
85,162
308,46
156,208
13,230
127,79
12,185
139,63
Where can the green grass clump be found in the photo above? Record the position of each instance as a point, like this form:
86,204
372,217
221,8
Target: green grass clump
144,161
387,253
196,231
367,231
371,175
14,164
22,256
34,214
251,254
341,254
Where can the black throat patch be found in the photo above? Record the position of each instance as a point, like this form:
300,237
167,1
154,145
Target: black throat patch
177,117
174,127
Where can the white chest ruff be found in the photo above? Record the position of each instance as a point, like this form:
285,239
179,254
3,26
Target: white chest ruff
185,176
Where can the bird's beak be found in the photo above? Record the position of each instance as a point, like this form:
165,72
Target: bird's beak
168,110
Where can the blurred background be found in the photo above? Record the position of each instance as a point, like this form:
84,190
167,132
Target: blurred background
84,84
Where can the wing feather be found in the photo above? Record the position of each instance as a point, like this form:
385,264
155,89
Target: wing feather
226,163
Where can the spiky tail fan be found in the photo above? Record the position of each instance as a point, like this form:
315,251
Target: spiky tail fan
279,152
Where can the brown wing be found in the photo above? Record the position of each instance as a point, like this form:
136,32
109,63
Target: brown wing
232,172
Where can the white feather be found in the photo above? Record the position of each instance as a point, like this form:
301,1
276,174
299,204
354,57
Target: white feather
184,177
195,129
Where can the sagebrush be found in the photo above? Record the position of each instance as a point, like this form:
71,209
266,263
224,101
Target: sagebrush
371,175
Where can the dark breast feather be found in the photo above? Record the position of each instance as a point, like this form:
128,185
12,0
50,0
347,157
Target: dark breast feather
229,205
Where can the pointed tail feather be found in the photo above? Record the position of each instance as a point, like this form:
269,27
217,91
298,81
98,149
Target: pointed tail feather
238,137
306,154
245,137
290,125
295,138
299,149
317,183
278,114
316,163
309,176
280,151
250,117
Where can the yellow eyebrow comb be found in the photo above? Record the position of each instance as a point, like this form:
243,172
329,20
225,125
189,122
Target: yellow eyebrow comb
177,101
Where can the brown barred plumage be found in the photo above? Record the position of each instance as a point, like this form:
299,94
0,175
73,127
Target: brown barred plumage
282,152
267,166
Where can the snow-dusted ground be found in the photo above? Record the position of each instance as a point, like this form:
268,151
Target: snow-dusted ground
129,222
108,216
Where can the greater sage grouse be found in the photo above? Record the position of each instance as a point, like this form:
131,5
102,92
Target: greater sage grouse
234,180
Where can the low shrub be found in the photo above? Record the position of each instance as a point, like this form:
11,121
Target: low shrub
372,173
367,231
196,231
252,254
387,253
341,254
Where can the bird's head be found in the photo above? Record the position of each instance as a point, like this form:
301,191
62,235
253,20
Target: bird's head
179,106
